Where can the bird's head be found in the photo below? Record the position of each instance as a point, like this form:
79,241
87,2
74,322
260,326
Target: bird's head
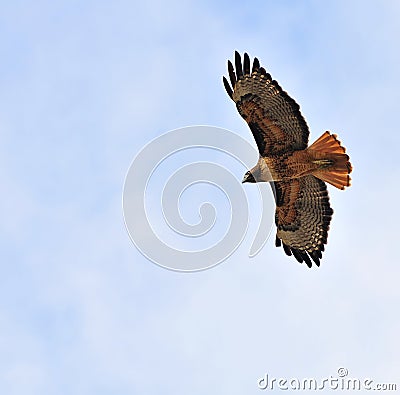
248,177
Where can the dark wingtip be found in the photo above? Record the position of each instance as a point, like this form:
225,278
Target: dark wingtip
262,71
298,255
246,63
227,87
306,258
238,65
277,241
232,75
256,65
315,255
286,249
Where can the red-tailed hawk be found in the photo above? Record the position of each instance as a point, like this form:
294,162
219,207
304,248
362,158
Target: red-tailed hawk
296,172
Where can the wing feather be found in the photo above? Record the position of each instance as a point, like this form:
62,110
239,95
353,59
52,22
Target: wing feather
238,65
302,217
227,87
273,116
231,73
246,64
256,65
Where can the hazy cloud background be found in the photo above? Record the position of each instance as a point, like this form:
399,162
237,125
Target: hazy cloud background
84,85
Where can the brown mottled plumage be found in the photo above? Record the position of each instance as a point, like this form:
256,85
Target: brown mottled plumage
296,172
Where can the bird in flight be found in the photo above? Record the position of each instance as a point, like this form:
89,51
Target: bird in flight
297,173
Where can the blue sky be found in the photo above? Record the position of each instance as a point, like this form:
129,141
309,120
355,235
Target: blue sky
85,85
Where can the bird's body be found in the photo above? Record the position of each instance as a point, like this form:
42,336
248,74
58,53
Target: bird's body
295,171
294,165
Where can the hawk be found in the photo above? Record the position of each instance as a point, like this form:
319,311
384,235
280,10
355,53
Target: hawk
297,173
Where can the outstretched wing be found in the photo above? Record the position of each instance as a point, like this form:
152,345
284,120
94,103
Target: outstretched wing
273,117
302,217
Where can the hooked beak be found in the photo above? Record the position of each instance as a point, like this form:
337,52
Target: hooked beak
248,177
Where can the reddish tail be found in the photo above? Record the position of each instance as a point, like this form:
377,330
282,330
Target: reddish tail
333,163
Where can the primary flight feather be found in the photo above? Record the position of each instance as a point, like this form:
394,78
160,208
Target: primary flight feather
296,172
